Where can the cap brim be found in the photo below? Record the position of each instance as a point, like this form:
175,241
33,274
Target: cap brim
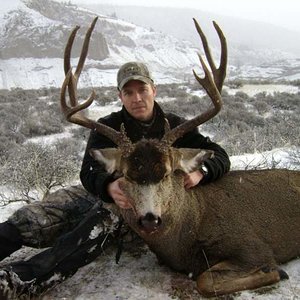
135,77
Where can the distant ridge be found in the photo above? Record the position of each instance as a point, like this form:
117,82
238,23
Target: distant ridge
242,33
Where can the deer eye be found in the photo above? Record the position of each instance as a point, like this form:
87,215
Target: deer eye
166,176
127,178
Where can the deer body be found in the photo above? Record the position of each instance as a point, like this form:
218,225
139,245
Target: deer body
241,226
226,216
248,219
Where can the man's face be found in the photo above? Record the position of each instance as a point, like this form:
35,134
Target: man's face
138,99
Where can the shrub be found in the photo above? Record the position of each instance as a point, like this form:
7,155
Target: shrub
32,170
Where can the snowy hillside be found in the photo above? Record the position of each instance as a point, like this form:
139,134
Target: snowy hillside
33,36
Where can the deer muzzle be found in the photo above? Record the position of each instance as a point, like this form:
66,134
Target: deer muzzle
149,223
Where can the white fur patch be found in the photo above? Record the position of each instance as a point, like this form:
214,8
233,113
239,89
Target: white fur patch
110,164
189,165
149,193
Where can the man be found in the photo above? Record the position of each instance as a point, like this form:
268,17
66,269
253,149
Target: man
71,216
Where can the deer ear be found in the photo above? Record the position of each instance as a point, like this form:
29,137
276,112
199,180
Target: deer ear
189,160
110,157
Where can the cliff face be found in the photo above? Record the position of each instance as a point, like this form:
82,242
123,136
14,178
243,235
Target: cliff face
29,32
40,28
33,36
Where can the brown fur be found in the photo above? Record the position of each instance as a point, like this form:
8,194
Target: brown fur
247,221
146,164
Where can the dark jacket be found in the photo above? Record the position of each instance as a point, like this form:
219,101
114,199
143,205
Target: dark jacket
95,178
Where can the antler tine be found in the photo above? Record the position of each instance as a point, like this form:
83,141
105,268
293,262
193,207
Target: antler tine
205,46
67,67
219,74
221,71
73,112
85,49
67,55
70,112
68,48
209,84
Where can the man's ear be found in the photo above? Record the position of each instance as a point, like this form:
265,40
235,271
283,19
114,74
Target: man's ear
189,160
154,88
120,96
110,157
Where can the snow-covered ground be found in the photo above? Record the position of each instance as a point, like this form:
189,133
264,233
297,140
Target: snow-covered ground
142,278
35,73
253,89
279,158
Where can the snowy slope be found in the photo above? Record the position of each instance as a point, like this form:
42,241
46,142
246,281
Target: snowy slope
33,34
33,40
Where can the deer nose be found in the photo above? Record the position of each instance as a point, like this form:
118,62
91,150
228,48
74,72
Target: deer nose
149,222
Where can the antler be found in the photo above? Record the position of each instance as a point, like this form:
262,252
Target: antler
212,85
73,112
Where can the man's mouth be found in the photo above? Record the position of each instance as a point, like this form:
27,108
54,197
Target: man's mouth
139,107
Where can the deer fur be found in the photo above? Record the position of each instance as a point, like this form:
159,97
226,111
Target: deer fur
230,235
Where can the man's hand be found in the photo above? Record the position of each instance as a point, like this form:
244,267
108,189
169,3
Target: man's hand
114,190
192,179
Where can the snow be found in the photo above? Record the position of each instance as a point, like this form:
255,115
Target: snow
139,276
280,157
18,6
50,139
8,210
253,89
7,6
142,278
34,73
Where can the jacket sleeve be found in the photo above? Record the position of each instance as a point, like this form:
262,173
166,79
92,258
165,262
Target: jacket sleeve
93,175
218,165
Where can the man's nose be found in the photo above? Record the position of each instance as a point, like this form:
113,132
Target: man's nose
137,97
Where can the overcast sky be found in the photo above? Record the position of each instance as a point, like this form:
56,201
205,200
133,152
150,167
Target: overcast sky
280,12
285,13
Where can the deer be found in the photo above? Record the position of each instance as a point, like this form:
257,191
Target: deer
229,235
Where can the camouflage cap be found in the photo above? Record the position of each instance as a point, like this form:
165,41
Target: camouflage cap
133,71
